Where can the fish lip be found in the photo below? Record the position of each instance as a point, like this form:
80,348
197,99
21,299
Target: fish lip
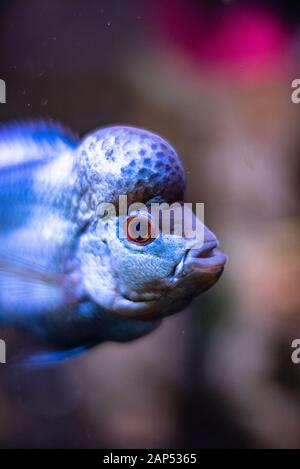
137,297
203,251
204,259
212,263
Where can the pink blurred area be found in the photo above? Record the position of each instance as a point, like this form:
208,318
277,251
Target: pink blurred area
247,41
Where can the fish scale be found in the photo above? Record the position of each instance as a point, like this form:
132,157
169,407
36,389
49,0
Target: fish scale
66,275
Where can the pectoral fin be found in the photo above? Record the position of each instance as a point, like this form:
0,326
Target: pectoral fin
27,289
52,358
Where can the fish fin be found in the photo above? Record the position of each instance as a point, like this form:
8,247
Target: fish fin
22,298
33,158
32,142
26,289
53,357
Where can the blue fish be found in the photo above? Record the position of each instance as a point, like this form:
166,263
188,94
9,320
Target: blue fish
67,276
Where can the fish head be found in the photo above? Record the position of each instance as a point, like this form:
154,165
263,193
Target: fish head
150,258
150,263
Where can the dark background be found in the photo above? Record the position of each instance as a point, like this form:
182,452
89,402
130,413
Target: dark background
213,77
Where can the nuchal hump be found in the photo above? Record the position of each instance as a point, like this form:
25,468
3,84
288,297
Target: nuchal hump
128,161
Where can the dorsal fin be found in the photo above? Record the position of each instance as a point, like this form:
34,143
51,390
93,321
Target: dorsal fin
25,149
27,142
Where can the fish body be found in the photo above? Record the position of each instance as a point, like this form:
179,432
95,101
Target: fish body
67,276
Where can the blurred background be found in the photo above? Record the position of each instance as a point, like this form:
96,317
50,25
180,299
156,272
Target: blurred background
214,77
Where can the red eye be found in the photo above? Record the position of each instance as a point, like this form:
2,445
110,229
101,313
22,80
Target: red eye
139,229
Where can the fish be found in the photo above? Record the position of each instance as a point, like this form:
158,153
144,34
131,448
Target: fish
74,274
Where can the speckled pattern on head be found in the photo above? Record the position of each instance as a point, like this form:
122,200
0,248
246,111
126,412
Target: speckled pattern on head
68,278
127,160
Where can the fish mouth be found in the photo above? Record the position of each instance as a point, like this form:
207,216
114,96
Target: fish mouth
199,269
204,259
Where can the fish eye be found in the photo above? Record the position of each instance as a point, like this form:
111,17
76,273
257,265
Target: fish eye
139,229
